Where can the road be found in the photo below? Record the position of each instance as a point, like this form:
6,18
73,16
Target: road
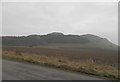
14,70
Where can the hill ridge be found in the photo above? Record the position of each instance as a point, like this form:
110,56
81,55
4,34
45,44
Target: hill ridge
86,40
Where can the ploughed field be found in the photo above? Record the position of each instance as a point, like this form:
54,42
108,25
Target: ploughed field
107,57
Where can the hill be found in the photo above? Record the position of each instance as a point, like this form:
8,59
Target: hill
60,40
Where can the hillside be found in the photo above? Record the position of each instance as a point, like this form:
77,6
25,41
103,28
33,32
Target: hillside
59,40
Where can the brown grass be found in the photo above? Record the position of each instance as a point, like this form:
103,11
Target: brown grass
98,56
0,53
89,66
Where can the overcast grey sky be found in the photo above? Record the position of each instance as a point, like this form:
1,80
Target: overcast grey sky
25,18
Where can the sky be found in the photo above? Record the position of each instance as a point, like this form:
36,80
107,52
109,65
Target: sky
26,18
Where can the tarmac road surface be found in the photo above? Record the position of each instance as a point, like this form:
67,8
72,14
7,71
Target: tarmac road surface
16,70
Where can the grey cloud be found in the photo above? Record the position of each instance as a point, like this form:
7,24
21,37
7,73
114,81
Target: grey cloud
25,18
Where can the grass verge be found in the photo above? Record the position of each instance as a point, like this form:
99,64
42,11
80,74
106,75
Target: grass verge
88,67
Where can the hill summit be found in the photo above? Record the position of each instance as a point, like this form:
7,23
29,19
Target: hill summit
55,33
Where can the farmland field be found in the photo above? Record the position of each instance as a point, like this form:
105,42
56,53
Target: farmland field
98,56
94,61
